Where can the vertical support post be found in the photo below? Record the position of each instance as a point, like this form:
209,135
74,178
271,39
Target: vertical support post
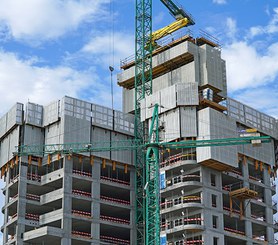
152,190
143,86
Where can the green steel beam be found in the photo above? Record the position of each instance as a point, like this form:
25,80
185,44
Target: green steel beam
143,87
26,150
152,190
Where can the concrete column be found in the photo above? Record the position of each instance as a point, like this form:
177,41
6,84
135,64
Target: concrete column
67,204
6,212
132,211
21,206
95,205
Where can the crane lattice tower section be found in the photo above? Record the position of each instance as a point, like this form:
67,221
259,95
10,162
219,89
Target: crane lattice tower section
209,195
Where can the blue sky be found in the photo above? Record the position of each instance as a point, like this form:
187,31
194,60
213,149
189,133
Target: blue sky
52,48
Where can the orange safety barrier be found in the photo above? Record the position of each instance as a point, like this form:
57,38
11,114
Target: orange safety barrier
34,177
34,217
115,240
236,172
116,220
33,197
87,174
81,213
124,202
81,234
81,193
234,231
114,180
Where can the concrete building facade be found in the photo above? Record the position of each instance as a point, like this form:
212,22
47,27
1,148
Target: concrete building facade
209,195
74,199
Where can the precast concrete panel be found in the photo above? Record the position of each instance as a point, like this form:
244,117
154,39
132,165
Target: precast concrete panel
252,118
121,156
101,135
224,92
76,130
34,114
33,135
76,108
3,125
172,124
187,94
13,117
54,133
167,98
126,74
128,100
215,125
188,121
162,82
150,102
13,141
263,152
8,146
124,122
51,113
188,73
211,67
102,116
4,150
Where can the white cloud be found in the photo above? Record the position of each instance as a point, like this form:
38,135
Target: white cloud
270,28
219,1
231,27
22,80
106,49
33,20
247,68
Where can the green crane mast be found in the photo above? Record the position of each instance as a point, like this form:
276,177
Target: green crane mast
147,168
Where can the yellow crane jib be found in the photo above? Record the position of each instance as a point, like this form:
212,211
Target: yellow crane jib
176,25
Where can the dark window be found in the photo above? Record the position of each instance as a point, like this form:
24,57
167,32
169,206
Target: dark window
213,179
214,221
215,240
213,200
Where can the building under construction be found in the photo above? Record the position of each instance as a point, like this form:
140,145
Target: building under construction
208,195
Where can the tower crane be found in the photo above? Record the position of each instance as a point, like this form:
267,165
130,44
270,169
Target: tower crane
147,167
146,150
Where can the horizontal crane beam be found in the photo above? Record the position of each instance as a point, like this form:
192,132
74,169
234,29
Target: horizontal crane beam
128,145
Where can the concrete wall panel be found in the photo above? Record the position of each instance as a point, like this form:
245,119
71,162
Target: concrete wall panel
34,114
51,113
187,94
188,121
121,156
100,135
215,125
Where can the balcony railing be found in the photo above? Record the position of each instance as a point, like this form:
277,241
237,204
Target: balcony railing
81,173
175,159
114,240
115,180
114,220
81,213
115,200
81,193
81,234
